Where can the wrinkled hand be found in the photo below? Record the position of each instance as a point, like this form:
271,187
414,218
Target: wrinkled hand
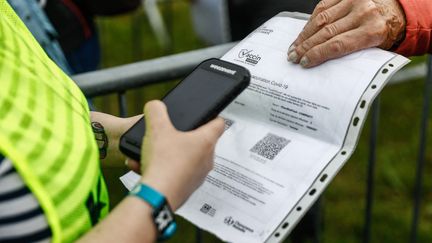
340,27
174,162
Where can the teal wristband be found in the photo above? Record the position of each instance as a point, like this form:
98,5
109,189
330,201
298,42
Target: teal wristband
163,216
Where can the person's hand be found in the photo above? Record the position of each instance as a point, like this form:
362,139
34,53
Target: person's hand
173,162
340,27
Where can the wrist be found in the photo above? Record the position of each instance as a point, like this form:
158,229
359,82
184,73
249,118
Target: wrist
114,128
162,185
396,23
162,215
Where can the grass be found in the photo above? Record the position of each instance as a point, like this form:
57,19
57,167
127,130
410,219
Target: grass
128,38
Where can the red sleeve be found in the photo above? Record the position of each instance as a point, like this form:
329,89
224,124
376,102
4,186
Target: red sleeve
418,37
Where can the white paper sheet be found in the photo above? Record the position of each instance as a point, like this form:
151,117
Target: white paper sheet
280,133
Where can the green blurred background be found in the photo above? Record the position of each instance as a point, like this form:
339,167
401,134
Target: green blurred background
129,38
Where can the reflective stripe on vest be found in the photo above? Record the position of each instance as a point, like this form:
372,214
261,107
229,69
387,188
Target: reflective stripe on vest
45,131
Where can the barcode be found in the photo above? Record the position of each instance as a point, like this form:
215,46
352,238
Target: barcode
228,123
207,209
270,146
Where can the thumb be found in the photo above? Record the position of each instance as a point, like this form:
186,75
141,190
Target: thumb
156,116
133,165
213,129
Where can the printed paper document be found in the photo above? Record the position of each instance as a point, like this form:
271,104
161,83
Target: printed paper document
280,133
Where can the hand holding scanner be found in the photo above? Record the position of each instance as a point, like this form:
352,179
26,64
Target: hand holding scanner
197,99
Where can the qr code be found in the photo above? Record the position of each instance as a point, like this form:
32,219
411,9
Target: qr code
207,209
270,146
228,123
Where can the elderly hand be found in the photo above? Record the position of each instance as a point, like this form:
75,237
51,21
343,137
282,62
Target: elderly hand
340,27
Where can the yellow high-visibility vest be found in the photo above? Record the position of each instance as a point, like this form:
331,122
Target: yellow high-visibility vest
45,131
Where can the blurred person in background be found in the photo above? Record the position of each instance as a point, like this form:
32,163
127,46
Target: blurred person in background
32,14
247,15
66,28
77,31
233,20
52,188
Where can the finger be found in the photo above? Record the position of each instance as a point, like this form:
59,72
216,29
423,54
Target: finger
324,5
321,19
321,7
328,32
213,129
133,165
156,116
339,46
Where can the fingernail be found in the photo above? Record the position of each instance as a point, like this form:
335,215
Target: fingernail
304,62
126,163
293,56
292,47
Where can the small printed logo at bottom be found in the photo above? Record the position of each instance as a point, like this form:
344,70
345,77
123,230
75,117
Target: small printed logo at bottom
229,220
207,209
